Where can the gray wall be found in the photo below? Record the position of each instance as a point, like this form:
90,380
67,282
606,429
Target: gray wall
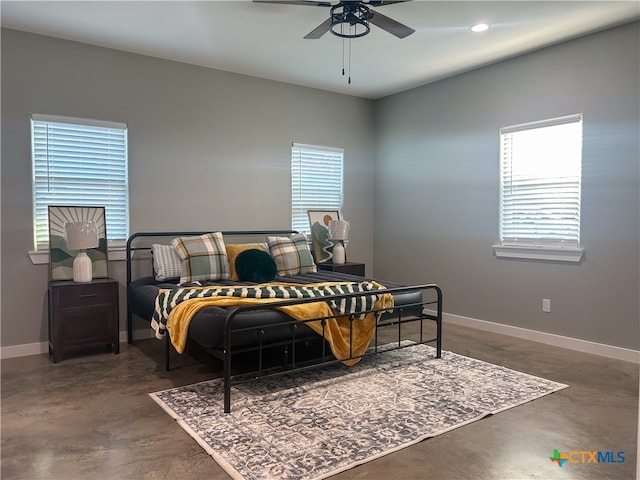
207,150
437,189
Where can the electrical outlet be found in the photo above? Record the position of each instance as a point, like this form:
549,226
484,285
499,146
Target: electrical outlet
546,305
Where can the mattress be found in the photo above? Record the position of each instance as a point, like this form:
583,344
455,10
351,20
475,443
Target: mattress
207,326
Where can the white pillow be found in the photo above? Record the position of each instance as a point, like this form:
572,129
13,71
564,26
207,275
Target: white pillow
166,262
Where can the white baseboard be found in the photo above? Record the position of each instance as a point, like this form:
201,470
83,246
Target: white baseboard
38,348
24,350
586,346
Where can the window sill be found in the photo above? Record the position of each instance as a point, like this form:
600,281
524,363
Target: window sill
532,252
42,257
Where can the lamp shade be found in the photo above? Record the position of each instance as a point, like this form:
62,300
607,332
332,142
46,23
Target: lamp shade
81,235
338,230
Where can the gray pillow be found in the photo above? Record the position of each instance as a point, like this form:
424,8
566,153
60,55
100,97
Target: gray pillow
166,262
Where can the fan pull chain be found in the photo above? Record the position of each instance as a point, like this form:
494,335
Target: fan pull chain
343,56
349,61
341,31
344,48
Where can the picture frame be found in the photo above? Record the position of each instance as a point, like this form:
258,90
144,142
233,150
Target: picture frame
60,256
319,227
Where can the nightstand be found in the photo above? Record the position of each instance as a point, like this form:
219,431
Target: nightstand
83,315
353,268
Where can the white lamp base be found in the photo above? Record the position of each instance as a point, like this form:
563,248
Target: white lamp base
339,255
82,268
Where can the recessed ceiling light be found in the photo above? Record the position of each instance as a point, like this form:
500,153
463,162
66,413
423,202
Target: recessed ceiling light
479,27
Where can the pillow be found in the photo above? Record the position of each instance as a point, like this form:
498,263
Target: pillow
291,254
255,265
166,262
236,248
203,257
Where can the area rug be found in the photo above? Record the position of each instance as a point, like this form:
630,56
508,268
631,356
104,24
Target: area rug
320,422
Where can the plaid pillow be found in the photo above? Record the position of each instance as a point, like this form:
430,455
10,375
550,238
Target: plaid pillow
291,254
166,262
203,257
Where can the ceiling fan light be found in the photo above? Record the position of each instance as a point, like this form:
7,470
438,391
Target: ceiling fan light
479,27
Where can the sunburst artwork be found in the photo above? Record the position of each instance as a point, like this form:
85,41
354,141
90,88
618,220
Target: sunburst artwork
61,257
319,224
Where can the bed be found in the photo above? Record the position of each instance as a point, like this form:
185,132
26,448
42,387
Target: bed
235,292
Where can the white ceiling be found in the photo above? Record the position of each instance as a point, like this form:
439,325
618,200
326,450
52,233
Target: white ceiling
266,40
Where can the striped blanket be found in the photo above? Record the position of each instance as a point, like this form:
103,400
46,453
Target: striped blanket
175,308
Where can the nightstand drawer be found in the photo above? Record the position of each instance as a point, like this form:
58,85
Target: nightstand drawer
85,325
80,295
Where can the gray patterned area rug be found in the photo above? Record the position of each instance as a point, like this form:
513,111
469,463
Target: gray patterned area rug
323,421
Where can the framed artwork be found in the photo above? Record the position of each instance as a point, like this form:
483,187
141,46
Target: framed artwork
319,223
60,256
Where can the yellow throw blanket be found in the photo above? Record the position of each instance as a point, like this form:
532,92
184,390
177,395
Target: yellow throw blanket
336,330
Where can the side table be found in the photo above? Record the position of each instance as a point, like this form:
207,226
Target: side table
83,315
352,268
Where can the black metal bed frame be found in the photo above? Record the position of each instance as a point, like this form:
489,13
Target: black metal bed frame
429,308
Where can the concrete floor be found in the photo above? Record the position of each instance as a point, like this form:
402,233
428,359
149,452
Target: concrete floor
89,417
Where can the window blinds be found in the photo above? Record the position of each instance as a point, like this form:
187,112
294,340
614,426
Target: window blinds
541,165
316,182
79,162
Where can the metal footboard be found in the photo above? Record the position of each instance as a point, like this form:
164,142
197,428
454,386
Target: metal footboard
425,311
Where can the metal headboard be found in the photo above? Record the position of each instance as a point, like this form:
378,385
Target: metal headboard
131,247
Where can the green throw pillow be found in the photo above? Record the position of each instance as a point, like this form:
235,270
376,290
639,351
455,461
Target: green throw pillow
255,265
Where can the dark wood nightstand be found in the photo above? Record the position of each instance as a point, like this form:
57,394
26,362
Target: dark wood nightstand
83,315
353,268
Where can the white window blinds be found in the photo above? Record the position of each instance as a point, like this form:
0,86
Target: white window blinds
316,182
79,162
541,166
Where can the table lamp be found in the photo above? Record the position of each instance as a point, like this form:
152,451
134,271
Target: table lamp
80,236
339,234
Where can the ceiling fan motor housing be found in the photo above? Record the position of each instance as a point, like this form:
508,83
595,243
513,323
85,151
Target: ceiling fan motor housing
350,19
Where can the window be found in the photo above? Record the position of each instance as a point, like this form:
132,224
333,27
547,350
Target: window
316,182
83,163
540,176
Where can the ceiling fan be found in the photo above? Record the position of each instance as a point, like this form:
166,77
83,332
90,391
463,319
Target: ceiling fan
351,18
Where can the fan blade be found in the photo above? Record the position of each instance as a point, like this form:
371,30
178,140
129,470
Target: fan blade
309,3
390,25
320,30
